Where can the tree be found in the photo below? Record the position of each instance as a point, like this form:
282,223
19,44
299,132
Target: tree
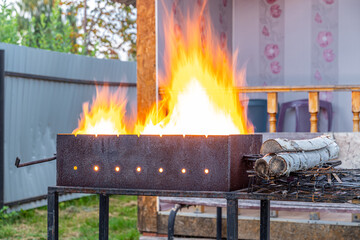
106,29
109,29
8,23
50,31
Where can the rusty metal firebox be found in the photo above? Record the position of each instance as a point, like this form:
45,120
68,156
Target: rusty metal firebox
212,163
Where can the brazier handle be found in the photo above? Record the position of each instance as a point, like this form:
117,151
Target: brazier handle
19,165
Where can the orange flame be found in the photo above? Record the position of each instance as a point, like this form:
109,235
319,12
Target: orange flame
200,98
199,95
106,115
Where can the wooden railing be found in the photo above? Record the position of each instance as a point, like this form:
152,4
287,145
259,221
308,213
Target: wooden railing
313,94
313,91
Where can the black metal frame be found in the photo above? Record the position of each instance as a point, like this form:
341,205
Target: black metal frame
231,197
104,216
264,220
218,223
2,127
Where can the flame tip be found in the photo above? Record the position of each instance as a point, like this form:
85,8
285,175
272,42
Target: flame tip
199,98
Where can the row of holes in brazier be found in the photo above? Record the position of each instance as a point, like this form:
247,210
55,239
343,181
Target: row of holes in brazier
96,168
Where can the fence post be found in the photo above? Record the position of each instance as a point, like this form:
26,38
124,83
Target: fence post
2,109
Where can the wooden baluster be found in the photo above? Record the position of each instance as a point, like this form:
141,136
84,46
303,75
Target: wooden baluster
313,109
272,108
355,103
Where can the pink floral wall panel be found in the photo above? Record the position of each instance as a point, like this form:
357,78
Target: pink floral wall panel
324,50
271,24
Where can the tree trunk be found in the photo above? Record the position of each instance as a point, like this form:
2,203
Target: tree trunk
262,166
284,145
284,163
286,156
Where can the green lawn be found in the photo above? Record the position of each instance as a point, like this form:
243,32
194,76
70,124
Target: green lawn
78,219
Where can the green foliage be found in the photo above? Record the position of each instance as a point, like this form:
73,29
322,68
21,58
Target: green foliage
8,23
7,216
108,29
51,33
78,219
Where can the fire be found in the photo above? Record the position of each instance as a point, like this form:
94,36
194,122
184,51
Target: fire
199,97
106,115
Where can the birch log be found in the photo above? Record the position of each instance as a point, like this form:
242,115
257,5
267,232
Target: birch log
286,162
262,166
284,145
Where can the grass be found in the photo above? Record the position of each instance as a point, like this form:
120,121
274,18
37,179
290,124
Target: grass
78,219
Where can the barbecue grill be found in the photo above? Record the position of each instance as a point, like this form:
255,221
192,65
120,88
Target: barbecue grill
176,166
189,163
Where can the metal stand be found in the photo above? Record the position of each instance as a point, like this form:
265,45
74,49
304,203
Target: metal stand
264,219
231,197
104,217
232,218
53,216
218,223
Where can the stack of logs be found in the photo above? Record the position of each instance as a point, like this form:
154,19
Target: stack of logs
282,156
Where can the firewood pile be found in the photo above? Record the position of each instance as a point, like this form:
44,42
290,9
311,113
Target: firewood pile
282,156
303,169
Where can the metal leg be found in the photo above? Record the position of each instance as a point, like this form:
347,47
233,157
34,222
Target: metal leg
264,219
53,215
218,223
232,219
171,221
104,217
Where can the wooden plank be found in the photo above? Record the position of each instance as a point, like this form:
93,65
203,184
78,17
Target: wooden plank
194,226
146,57
324,88
275,205
147,214
146,94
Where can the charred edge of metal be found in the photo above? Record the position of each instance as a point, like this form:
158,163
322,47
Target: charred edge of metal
138,192
67,80
307,197
2,108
